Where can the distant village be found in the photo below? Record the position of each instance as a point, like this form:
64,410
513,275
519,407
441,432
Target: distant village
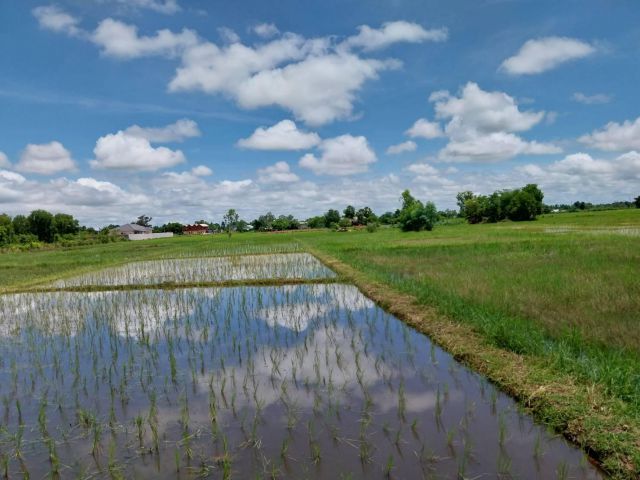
133,231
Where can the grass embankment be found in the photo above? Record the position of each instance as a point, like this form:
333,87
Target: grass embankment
549,310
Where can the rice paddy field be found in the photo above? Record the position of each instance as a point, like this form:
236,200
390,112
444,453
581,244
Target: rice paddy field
304,355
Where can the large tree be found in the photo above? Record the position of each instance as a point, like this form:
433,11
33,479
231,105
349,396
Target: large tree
264,222
332,216
65,224
230,221
461,198
365,215
415,215
20,225
41,225
6,230
143,221
349,212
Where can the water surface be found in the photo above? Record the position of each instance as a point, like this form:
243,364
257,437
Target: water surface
308,381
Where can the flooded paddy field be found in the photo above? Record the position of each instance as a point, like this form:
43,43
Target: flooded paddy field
287,381
209,269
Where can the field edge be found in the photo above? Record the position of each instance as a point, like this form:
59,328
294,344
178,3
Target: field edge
584,414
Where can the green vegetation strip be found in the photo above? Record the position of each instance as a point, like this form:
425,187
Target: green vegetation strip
255,282
601,424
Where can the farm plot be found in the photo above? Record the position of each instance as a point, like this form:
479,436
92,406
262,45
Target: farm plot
209,269
292,381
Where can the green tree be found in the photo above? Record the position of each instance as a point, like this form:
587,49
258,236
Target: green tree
522,206
20,225
517,205
349,212
461,199
143,221
332,216
242,226
473,210
365,215
65,224
6,230
285,222
6,235
415,215
316,222
173,227
230,221
637,201
388,218
407,200
41,225
264,222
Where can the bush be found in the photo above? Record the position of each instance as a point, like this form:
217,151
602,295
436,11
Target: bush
344,223
372,227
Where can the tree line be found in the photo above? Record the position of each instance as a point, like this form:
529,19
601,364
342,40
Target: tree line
43,227
520,204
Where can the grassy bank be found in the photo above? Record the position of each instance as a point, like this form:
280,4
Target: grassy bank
549,310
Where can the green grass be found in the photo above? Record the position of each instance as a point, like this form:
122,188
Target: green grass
563,291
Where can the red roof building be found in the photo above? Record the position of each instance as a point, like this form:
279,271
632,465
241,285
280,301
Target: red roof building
196,229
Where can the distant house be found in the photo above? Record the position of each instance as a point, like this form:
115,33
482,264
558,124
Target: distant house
138,232
132,229
196,229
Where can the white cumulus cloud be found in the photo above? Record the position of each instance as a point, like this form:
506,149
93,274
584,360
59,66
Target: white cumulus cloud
494,147
542,54
423,128
343,155
13,177
615,136
53,18
316,79
45,159
175,132
394,32
201,171
408,146
90,192
120,40
4,161
124,152
423,169
280,172
168,7
266,30
481,126
284,135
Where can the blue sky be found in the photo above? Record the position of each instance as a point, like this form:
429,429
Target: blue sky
182,109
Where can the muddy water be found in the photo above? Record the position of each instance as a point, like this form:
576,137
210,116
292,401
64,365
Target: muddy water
309,381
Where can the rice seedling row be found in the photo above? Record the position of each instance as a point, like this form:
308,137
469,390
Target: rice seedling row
293,381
